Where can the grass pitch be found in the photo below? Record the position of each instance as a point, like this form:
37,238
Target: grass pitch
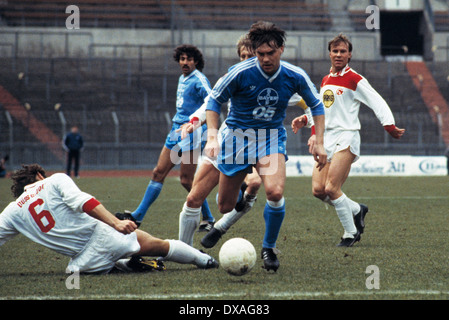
406,238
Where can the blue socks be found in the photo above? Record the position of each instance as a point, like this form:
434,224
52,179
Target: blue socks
151,194
273,214
205,210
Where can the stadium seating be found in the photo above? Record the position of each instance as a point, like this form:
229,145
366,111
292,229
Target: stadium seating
92,95
91,90
233,14
101,13
441,20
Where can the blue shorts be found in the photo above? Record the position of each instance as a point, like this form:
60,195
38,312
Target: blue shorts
242,149
193,142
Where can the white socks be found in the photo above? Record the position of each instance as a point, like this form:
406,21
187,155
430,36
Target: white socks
189,220
276,204
181,252
228,220
232,217
343,207
355,207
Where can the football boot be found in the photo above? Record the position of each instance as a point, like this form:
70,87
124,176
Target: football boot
270,260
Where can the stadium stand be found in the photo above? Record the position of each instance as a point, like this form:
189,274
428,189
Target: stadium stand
93,95
357,14
101,13
232,14
118,103
441,20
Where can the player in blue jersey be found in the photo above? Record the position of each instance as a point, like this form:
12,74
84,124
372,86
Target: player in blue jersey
259,90
193,88
207,174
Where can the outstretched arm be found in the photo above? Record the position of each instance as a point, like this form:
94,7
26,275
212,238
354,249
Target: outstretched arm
101,213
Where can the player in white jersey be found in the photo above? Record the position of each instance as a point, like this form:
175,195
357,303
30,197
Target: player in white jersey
342,91
55,213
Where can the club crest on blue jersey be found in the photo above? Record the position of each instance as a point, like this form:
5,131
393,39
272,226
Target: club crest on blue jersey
268,97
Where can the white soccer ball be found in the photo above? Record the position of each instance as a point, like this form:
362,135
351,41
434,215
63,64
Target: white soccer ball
237,256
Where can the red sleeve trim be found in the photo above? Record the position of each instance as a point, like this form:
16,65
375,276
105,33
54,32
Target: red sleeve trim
390,128
90,205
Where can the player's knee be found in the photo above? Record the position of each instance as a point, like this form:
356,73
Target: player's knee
319,193
151,246
193,201
158,175
275,194
330,190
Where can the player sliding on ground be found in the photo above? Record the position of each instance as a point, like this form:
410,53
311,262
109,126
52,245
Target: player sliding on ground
55,213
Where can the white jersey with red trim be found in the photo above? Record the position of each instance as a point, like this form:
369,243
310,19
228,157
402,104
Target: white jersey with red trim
343,92
51,212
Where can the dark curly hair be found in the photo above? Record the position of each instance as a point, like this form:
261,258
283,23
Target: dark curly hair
190,51
25,176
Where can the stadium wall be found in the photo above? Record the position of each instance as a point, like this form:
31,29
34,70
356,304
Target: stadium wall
98,42
55,42
378,166
441,46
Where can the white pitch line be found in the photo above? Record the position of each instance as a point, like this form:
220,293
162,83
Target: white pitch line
358,293
280,295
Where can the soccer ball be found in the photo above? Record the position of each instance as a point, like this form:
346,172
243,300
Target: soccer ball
237,256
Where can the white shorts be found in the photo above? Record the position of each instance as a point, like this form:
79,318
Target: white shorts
335,141
213,161
104,248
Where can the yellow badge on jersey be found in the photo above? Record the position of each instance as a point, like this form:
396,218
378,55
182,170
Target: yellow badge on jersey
328,98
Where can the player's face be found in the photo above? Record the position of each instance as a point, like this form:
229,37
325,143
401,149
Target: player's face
245,54
269,58
340,56
187,64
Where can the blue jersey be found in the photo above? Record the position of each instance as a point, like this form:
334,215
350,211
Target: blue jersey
192,90
259,100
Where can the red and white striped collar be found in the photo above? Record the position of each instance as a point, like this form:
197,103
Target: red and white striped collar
340,73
